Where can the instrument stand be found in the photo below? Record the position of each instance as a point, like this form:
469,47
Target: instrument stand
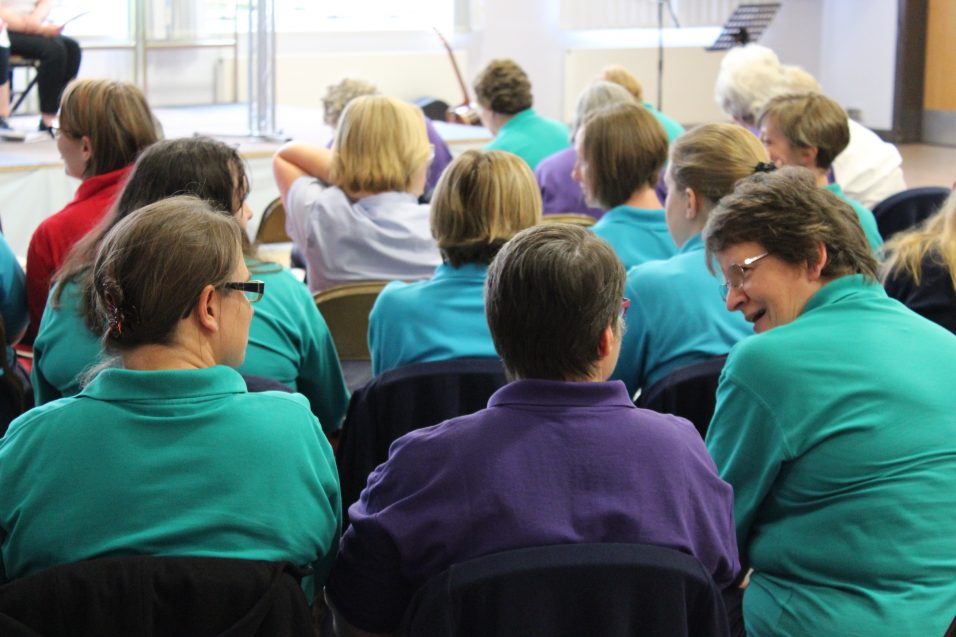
660,46
746,24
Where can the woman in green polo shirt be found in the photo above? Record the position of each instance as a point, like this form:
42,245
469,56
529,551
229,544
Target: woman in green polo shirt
834,423
166,453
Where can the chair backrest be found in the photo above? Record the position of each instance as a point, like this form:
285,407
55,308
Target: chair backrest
403,399
272,226
345,309
147,596
689,392
570,590
576,218
908,208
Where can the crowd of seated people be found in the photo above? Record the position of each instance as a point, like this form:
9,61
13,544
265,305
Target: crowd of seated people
819,501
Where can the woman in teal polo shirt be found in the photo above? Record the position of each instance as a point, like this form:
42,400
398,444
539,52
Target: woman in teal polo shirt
834,423
621,150
289,341
166,453
675,319
483,199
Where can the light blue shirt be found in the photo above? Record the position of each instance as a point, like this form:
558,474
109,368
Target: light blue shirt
531,137
380,237
676,318
867,220
432,320
671,126
638,235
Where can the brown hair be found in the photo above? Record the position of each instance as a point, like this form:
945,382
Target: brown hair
624,147
550,294
482,199
621,76
711,158
152,266
810,120
503,87
790,217
935,238
114,116
380,145
197,166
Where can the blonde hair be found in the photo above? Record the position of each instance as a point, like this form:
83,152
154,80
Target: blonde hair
503,87
338,96
380,145
810,120
114,116
617,74
712,158
935,237
481,201
625,147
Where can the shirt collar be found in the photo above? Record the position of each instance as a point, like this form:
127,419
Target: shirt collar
92,185
694,244
517,118
464,271
116,384
551,393
840,288
646,214
835,189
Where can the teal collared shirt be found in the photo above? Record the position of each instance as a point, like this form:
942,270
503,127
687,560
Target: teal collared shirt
437,319
676,318
638,235
671,126
531,137
837,432
174,462
867,220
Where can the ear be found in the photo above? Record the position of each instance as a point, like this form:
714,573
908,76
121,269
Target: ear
693,204
815,271
606,343
86,148
808,157
208,309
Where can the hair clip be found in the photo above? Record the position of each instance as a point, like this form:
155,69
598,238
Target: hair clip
764,167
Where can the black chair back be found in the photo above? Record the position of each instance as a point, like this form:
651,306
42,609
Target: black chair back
144,596
401,400
906,209
689,392
570,590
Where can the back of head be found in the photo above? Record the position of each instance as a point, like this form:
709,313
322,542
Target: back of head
749,76
481,201
503,87
935,237
619,75
114,116
151,267
624,148
380,144
337,97
596,96
810,120
786,213
550,294
711,158
796,80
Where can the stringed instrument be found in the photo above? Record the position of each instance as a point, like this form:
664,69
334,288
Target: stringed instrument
464,113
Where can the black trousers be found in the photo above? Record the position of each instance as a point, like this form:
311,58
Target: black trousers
59,63
4,65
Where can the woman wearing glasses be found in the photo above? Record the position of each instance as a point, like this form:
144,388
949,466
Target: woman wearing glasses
167,454
834,423
289,341
353,211
104,126
676,317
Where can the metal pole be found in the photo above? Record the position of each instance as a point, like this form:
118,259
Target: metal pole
261,71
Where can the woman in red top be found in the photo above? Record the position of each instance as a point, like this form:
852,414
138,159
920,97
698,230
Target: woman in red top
104,125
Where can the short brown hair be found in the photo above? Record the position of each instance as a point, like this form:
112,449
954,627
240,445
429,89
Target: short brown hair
790,217
625,148
550,294
810,120
152,266
711,158
380,144
482,199
503,87
114,116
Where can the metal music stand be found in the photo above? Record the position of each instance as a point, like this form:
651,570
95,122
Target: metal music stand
746,24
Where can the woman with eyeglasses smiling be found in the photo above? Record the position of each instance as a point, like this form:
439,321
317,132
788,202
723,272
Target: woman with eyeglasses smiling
167,453
834,423
289,341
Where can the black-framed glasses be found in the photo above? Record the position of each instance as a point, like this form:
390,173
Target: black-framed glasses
252,289
736,274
